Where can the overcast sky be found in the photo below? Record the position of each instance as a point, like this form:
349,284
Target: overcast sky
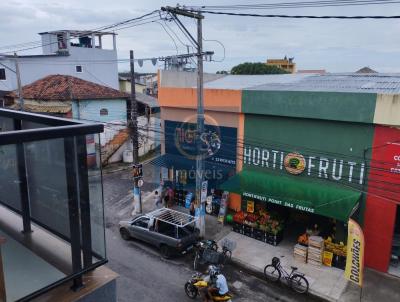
334,45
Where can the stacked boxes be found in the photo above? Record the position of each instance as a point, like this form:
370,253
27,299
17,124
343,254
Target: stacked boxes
300,253
315,250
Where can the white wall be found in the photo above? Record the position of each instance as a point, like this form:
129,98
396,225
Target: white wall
35,68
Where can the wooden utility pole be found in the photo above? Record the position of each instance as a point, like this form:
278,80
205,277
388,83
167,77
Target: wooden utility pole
200,106
133,125
20,96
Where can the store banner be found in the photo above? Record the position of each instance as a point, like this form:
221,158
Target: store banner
355,253
203,196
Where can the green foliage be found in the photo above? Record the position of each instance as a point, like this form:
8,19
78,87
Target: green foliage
222,72
256,68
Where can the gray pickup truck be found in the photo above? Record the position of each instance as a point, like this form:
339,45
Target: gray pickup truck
171,231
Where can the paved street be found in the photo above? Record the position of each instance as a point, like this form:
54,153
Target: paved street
145,276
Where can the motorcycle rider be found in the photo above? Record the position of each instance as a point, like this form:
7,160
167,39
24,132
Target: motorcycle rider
217,284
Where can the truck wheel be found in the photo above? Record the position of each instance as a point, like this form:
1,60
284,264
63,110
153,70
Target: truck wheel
165,251
124,234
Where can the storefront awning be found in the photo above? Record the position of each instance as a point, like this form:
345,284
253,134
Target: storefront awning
309,196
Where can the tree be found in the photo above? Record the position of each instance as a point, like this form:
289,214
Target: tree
222,72
256,68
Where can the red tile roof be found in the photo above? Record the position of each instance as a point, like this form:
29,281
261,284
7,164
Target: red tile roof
64,87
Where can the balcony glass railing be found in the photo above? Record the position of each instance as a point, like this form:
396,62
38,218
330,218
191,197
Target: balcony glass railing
51,203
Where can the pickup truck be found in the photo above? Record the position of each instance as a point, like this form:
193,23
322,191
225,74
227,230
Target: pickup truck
171,231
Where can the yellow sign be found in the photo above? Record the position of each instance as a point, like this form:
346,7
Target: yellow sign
327,259
295,163
250,206
355,253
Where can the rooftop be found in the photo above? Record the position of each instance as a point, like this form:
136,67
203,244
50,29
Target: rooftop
63,87
78,33
330,82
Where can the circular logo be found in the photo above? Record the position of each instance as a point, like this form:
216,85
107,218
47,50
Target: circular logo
192,144
295,163
140,183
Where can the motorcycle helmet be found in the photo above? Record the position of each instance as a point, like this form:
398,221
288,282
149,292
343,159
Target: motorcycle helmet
212,270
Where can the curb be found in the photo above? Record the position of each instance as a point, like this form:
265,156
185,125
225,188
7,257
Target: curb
251,270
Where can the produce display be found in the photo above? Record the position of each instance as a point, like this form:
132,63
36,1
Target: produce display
303,239
262,220
336,248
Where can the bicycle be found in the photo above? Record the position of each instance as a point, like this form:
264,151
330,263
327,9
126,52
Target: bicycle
207,252
274,271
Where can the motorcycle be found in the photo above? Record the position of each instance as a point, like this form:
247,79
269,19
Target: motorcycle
197,283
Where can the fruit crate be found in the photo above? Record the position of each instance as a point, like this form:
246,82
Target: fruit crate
237,227
273,239
248,230
259,234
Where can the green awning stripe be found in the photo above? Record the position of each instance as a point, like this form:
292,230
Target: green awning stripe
310,196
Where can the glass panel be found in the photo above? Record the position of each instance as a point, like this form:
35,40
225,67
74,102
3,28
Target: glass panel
47,182
6,124
9,179
96,194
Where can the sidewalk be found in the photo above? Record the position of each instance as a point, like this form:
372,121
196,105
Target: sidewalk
327,283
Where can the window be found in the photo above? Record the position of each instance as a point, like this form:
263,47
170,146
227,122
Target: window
2,74
104,111
78,68
142,222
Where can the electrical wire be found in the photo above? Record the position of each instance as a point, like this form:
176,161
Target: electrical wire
300,16
291,5
173,40
102,28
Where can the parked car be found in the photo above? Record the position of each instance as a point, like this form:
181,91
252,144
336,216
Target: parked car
171,231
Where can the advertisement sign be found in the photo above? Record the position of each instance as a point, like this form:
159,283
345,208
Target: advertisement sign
203,196
188,200
327,258
222,208
250,206
217,142
355,253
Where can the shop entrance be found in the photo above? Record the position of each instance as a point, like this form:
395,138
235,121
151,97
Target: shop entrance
394,267
293,230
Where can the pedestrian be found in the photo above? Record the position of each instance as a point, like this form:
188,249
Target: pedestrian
170,194
192,209
157,199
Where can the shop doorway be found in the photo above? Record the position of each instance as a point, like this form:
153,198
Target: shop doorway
394,267
292,229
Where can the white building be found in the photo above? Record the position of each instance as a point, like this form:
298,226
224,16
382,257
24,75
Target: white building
68,52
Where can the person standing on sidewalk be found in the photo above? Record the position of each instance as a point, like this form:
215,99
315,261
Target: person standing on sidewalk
170,194
157,199
192,207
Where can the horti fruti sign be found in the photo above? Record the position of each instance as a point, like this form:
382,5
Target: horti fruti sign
355,253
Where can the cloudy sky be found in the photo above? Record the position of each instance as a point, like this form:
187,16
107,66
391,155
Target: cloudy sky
334,45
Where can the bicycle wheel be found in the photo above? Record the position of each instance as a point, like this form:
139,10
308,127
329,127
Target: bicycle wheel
299,283
271,273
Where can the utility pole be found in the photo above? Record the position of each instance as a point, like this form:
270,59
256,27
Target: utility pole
200,204
132,122
20,96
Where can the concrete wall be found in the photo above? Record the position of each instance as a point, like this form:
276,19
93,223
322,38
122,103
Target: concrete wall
90,110
35,68
150,139
179,79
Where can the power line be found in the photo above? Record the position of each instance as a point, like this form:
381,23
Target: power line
144,17
291,5
299,16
